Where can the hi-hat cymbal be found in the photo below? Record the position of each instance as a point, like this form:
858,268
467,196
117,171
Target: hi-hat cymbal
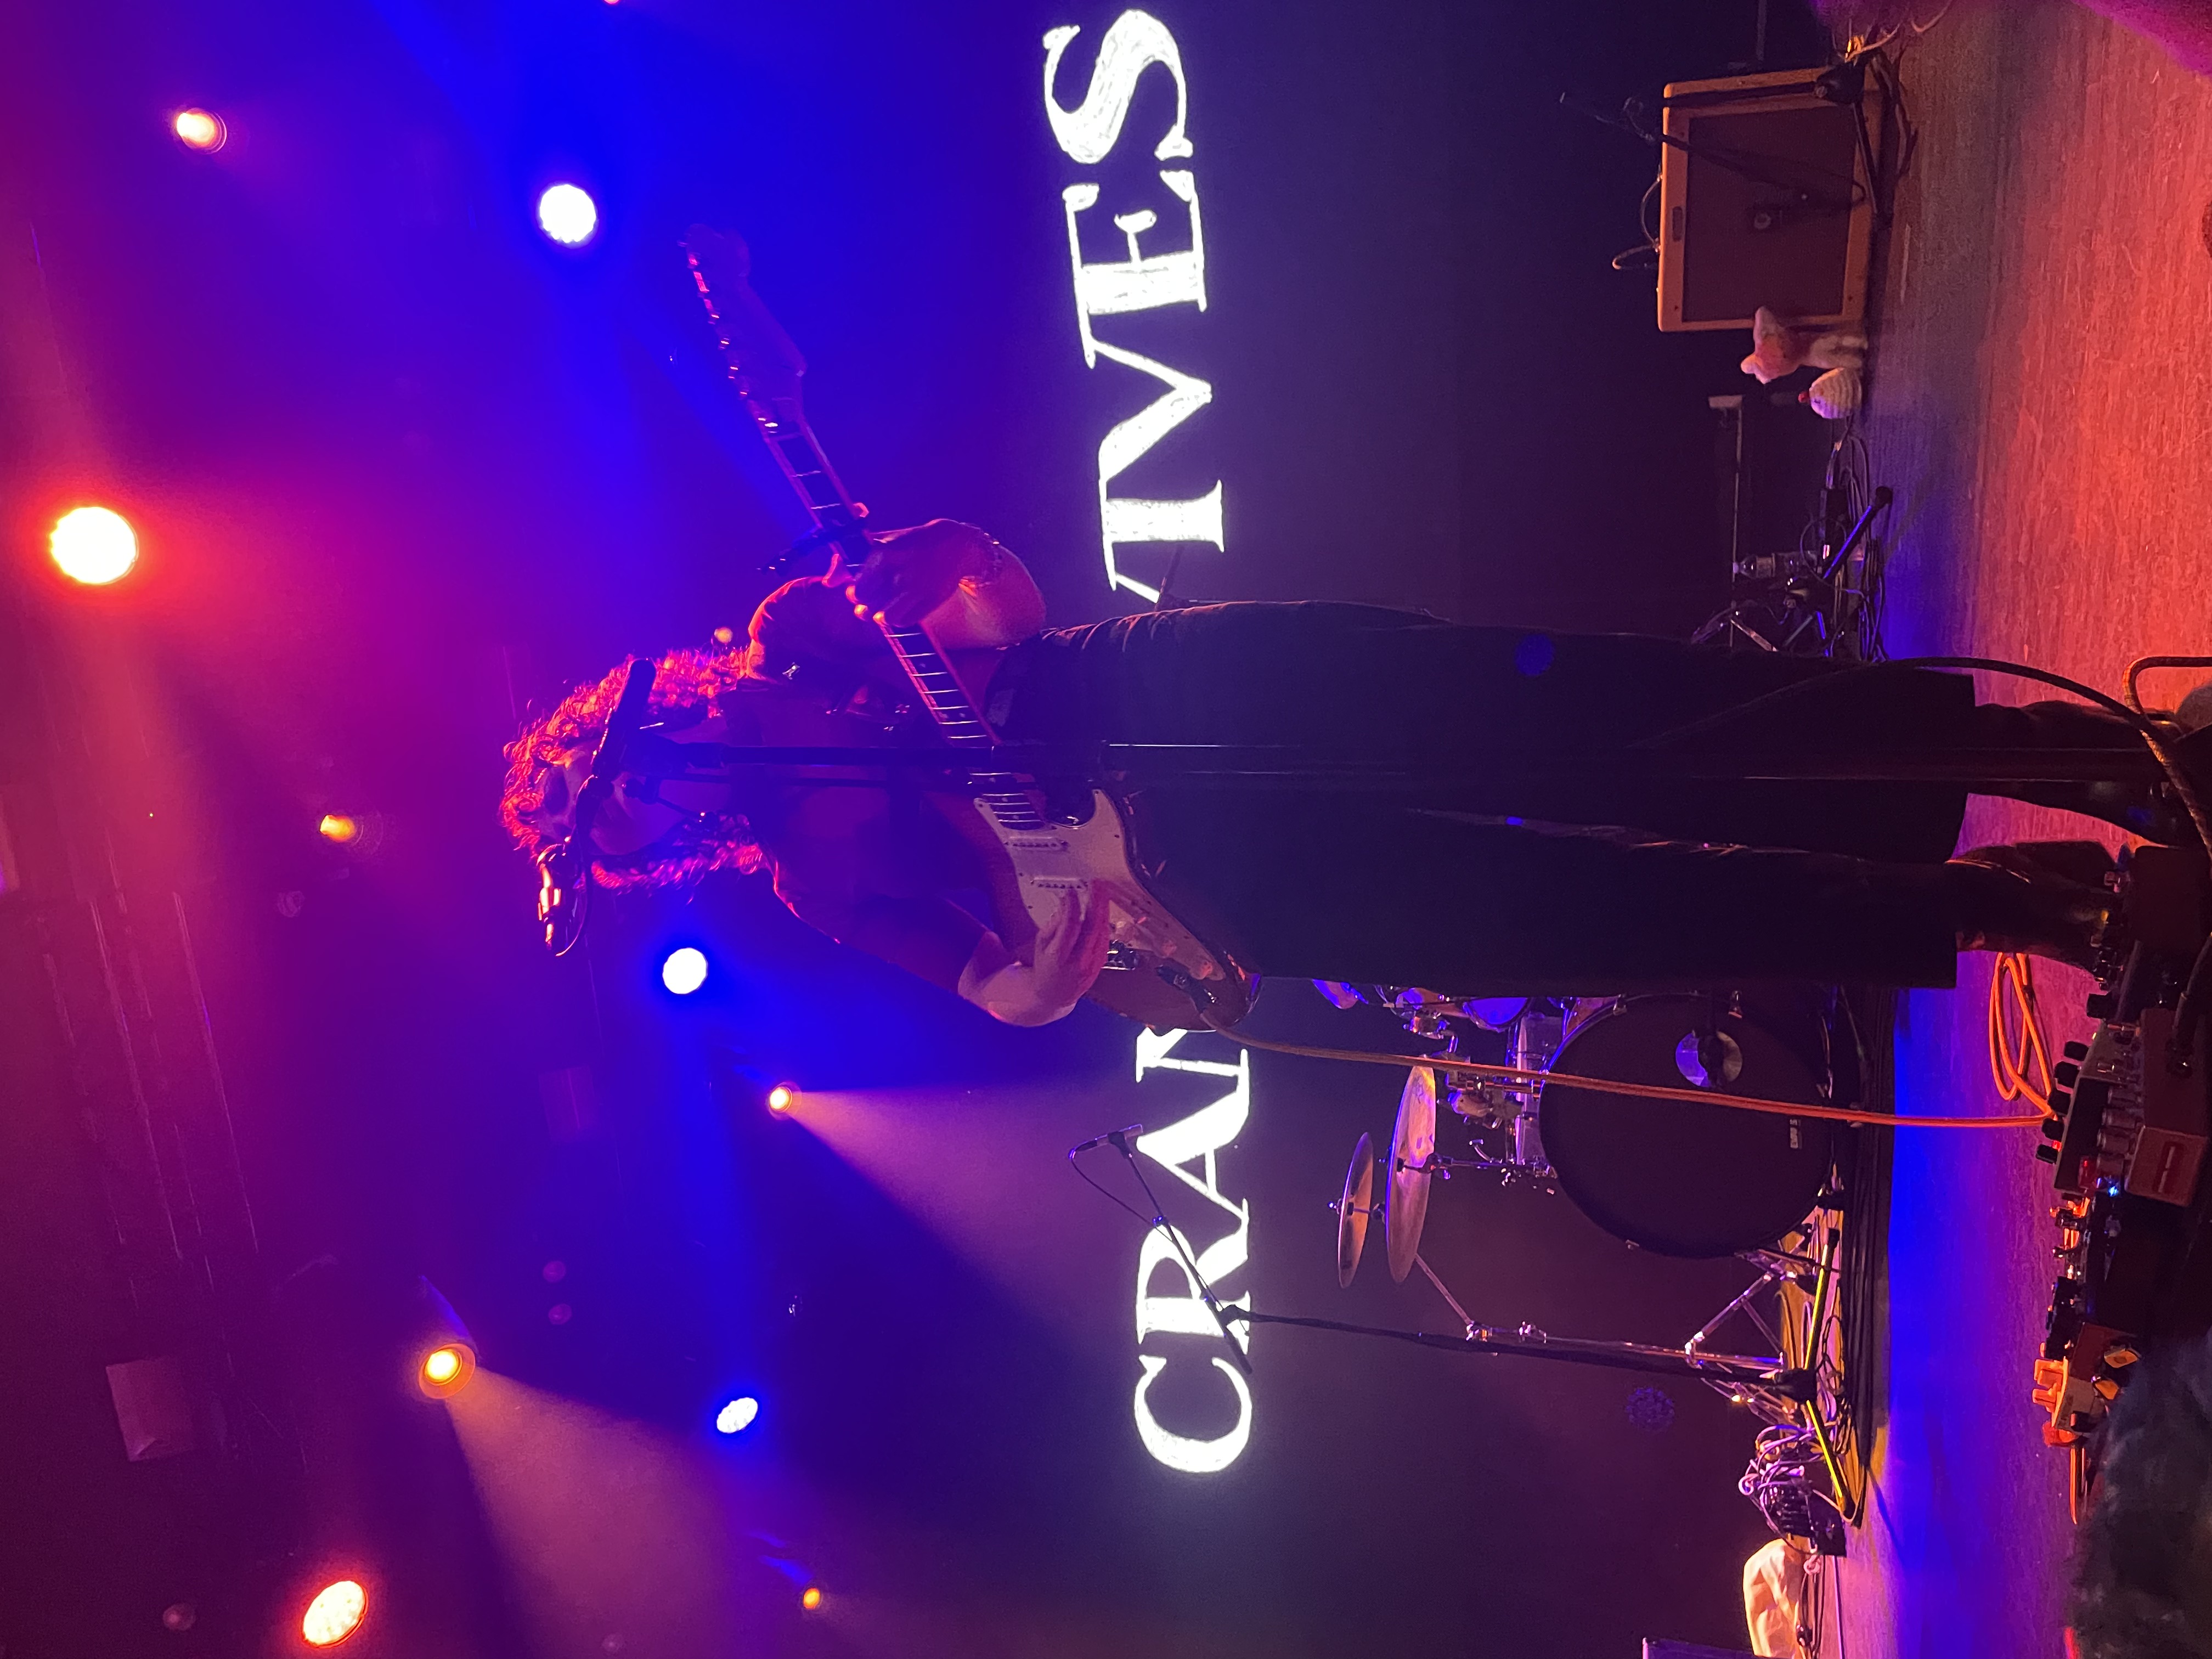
1352,1212
1412,1142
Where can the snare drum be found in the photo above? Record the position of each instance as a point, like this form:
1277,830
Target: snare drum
1675,1177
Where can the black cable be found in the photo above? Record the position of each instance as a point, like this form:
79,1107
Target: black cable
1989,665
1085,1174
2142,723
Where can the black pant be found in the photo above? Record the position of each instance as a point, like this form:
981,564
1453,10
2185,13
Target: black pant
1574,888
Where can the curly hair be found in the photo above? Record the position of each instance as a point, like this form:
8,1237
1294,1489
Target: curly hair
689,683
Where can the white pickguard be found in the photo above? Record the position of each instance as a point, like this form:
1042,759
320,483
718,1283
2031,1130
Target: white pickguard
1059,859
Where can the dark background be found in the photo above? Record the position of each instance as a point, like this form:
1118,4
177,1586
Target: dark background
404,469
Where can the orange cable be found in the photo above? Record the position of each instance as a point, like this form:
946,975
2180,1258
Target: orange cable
2016,1066
1522,1077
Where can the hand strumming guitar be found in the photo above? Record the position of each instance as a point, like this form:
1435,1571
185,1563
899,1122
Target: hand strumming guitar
1069,955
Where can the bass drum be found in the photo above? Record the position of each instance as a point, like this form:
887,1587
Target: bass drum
1673,1177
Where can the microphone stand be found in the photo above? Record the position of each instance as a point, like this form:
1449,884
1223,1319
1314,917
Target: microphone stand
1738,1371
1119,1140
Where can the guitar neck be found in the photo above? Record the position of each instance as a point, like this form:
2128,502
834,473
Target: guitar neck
837,520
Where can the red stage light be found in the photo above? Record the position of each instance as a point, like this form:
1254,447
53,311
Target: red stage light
94,545
198,130
782,1097
334,1613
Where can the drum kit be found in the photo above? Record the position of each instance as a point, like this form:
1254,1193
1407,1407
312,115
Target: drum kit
1683,1180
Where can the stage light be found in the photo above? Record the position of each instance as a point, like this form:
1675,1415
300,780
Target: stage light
812,1597
736,1417
684,970
446,1370
782,1097
198,130
334,1613
337,827
440,1354
569,215
93,545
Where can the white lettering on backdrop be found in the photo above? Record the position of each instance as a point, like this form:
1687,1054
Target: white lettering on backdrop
1143,282
1189,1151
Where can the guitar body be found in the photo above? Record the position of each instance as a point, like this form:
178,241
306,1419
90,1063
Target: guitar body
1158,970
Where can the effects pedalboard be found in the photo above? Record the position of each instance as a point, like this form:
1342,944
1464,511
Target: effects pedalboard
2127,1141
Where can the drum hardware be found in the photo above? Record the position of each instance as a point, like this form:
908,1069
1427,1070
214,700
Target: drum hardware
1691,1181
1769,1386
1699,1181
1709,1042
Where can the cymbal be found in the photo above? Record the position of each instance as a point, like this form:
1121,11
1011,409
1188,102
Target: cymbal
1352,1212
1413,1141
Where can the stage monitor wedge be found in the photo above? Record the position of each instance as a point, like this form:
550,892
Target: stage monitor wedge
1771,204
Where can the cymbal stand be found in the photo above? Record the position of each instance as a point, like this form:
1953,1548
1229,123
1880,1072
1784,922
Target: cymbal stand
1466,1319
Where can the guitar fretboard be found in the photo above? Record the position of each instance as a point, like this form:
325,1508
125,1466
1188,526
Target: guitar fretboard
1005,795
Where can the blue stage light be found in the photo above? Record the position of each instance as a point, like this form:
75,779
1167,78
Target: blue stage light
736,1416
684,970
567,214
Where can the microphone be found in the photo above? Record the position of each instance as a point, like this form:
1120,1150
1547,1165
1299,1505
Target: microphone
606,760
1118,1137
564,869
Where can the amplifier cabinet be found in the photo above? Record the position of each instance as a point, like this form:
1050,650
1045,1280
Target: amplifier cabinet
1771,204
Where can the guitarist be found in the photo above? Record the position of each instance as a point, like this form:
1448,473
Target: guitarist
1463,891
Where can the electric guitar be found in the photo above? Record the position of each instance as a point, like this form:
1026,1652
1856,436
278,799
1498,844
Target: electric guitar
1158,971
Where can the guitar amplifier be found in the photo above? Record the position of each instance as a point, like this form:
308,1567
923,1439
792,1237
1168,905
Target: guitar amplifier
1771,204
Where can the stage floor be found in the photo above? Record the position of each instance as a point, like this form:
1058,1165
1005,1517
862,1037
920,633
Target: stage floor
2041,401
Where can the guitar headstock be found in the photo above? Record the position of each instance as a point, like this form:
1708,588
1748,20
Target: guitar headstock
761,356
766,369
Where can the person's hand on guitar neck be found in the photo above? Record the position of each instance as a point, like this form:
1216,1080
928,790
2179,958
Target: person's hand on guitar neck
950,578
1069,955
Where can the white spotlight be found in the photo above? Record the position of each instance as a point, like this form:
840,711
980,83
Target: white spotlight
684,970
93,544
196,128
569,215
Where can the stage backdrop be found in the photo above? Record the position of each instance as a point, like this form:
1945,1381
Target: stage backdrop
1283,300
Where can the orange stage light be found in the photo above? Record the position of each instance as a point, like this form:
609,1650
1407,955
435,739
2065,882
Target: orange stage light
198,130
782,1097
94,545
334,1613
446,1370
337,827
812,1598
